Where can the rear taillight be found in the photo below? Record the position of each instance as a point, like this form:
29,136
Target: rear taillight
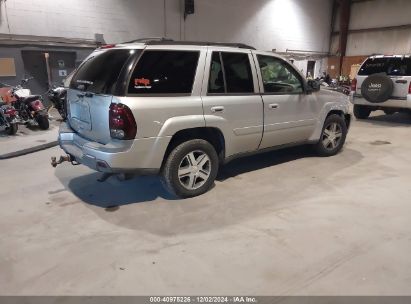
354,85
409,89
122,122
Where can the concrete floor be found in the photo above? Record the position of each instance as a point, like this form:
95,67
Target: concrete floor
283,223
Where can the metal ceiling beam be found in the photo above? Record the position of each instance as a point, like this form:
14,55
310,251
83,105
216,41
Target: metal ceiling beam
359,1
375,29
31,40
345,14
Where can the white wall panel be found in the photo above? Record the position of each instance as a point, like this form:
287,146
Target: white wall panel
380,13
376,14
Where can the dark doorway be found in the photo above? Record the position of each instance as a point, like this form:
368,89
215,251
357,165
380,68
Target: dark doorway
310,68
35,65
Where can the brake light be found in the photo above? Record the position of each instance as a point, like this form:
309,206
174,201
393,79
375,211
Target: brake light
107,46
409,89
354,85
121,121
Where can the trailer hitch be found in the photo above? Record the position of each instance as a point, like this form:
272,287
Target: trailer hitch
65,158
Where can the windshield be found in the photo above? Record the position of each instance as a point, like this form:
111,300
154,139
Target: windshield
392,66
99,73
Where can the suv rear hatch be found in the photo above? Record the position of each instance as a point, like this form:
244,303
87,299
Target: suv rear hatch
398,68
92,89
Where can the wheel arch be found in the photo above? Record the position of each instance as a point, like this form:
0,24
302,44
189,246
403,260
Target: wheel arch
346,116
211,134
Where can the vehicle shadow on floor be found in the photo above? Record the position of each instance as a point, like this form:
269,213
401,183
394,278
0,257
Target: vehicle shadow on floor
148,207
264,160
115,193
394,120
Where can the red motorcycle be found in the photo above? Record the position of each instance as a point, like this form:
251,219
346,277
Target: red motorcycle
30,108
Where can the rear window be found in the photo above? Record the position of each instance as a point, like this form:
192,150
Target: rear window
164,72
392,66
100,73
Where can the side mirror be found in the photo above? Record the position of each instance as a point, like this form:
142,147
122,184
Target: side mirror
312,86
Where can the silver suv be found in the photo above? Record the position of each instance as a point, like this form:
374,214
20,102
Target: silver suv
382,83
182,109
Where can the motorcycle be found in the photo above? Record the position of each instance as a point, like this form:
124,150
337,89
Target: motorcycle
30,107
8,118
334,86
57,95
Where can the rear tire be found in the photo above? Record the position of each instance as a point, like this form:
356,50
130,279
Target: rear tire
333,136
361,112
389,112
12,130
63,113
191,168
43,121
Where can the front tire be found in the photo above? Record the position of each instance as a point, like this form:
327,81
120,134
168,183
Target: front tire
361,112
191,168
43,121
12,130
333,136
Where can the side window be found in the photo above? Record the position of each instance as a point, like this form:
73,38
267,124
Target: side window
278,77
164,72
216,81
230,73
238,76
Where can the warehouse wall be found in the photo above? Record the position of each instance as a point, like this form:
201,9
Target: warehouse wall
267,24
119,20
373,15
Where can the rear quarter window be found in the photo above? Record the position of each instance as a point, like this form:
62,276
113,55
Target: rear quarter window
99,74
164,72
392,66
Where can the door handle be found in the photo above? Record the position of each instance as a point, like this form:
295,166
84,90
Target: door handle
218,109
273,106
401,81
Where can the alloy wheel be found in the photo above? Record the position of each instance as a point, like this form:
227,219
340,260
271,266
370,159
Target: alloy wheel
332,136
194,170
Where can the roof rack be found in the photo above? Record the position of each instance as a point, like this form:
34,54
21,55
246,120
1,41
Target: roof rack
150,39
167,41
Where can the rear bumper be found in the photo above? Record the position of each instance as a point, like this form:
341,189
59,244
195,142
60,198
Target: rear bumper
141,156
404,103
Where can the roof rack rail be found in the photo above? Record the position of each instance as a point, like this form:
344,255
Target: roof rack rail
200,43
149,39
167,41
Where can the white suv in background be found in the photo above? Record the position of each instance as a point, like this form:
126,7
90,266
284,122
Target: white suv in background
382,83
